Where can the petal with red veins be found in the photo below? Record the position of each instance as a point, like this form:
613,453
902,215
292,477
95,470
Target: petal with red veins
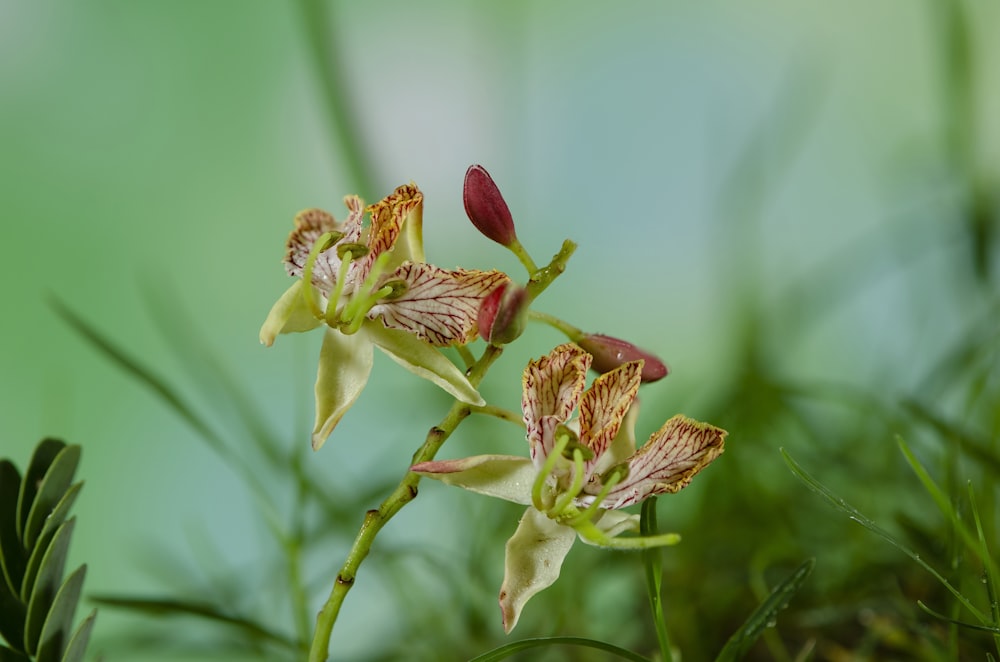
551,387
502,476
535,555
604,405
438,306
387,216
345,361
668,461
422,360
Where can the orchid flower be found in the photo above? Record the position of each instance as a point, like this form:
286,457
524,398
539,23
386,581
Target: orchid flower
581,472
370,287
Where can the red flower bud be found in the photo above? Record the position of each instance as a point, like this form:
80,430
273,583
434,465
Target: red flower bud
609,353
486,208
502,314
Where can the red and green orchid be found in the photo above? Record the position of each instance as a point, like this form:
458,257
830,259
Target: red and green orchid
579,472
369,286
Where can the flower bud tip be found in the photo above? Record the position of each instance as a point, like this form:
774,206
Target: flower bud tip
609,353
486,207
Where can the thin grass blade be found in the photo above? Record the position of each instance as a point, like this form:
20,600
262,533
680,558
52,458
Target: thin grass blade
505,651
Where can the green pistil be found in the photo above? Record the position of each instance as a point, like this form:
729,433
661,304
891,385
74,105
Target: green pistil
547,467
365,296
583,517
566,498
323,242
338,288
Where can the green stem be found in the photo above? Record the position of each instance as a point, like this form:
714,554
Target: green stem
517,249
653,563
543,277
501,413
374,520
571,331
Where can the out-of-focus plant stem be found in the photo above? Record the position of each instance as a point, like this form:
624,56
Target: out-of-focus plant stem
324,51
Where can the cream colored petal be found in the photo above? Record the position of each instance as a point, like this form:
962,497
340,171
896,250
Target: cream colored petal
344,365
668,461
551,388
289,314
422,359
439,306
535,555
502,476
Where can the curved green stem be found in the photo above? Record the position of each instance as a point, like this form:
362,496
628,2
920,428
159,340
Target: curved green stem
517,249
501,413
571,331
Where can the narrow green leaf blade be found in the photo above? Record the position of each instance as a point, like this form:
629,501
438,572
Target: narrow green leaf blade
765,614
61,511
12,555
78,644
51,490
58,627
505,651
43,590
12,615
45,452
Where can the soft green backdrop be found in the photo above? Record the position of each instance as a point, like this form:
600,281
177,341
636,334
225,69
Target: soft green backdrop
705,156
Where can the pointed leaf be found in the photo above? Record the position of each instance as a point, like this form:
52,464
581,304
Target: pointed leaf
78,644
58,628
51,490
765,614
42,592
12,554
534,557
12,615
423,360
45,453
502,476
345,361
61,511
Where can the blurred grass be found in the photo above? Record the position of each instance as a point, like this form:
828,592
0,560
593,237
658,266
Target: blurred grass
796,206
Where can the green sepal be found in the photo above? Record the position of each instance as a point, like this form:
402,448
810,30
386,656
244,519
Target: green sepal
78,644
12,554
43,457
58,627
40,591
54,485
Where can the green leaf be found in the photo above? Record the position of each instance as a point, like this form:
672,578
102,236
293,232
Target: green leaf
58,627
78,644
505,651
12,614
60,512
764,616
12,555
51,490
42,592
45,453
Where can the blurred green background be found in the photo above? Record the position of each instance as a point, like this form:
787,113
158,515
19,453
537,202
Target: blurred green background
763,193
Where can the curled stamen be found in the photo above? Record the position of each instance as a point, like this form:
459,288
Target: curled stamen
355,249
547,468
585,515
591,532
574,489
338,288
323,242
359,305
365,305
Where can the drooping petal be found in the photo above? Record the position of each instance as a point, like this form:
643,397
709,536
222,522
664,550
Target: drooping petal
387,216
439,306
289,314
604,405
422,359
502,476
345,362
534,557
551,388
668,461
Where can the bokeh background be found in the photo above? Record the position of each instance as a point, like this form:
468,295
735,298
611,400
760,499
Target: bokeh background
795,204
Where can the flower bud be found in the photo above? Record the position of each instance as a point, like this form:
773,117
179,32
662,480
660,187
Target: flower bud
486,208
503,314
609,353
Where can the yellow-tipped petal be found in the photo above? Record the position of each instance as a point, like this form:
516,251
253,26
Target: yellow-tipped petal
289,314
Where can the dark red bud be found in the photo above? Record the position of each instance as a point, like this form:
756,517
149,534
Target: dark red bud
609,353
502,314
486,207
